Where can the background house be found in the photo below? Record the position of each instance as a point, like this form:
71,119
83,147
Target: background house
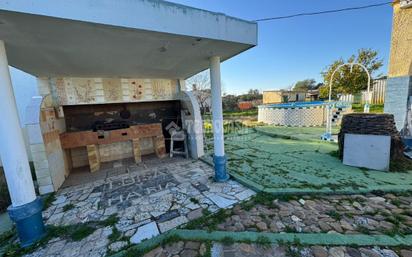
283,96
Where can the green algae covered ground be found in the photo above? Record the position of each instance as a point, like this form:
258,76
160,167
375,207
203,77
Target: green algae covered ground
276,164
300,133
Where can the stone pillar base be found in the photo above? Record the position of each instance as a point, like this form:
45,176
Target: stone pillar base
29,221
220,168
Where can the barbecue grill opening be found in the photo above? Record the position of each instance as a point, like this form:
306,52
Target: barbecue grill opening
112,125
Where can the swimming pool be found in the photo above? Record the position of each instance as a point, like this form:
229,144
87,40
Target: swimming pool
301,114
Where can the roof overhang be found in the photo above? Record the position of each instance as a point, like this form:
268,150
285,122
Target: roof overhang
118,38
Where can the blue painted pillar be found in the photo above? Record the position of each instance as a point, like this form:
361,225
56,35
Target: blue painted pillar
219,157
26,208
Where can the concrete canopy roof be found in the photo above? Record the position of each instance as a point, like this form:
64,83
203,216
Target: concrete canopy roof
118,38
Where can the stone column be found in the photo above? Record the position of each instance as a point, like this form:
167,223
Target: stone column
26,207
399,83
219,157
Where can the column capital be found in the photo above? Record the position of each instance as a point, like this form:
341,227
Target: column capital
214,58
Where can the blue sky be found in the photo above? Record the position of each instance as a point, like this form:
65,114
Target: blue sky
296,49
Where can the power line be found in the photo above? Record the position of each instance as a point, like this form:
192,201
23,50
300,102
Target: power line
324,12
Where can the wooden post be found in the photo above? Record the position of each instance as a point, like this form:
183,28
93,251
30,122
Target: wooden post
159,146
136,150
94,157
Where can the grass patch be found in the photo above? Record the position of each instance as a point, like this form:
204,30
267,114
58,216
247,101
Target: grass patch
227,240
373,108
110,221
194,200
48,200
4,192
363,230
115,235
75,233
334,154
263,241
79,233
265,199
71,232
400,165
289,229
7,236
68,207
335,215
209,221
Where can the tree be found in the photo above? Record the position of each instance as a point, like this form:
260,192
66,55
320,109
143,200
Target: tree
252,94
229,103
200,84
347,82
305,85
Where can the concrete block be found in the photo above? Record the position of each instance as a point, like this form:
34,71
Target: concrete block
43,164
34,133
37,148
46,189
368,151
42,173
45,181
38,156
32,115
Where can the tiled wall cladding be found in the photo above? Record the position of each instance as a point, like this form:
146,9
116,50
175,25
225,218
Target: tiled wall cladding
297,117
71,91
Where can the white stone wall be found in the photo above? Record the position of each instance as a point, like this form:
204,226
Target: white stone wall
192,123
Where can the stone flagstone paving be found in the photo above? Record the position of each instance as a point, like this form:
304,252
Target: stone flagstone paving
147,203
254,250
388,214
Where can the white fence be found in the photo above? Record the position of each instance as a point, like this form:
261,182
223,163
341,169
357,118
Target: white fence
377,91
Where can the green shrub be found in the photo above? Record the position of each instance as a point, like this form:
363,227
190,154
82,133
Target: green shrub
4,192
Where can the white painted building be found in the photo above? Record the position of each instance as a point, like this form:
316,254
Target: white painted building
107,57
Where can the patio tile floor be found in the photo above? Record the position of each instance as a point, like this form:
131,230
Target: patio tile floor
149,198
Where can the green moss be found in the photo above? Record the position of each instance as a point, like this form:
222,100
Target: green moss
363,230
81,232
335,215
401,165
194,200
263,241
110,221
71,232
227,240
115,235
48,200
68,207
209,221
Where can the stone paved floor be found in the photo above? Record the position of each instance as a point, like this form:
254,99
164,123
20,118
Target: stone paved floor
147,200
253,250
346,214
181,248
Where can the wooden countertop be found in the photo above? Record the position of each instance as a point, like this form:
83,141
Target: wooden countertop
83,138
